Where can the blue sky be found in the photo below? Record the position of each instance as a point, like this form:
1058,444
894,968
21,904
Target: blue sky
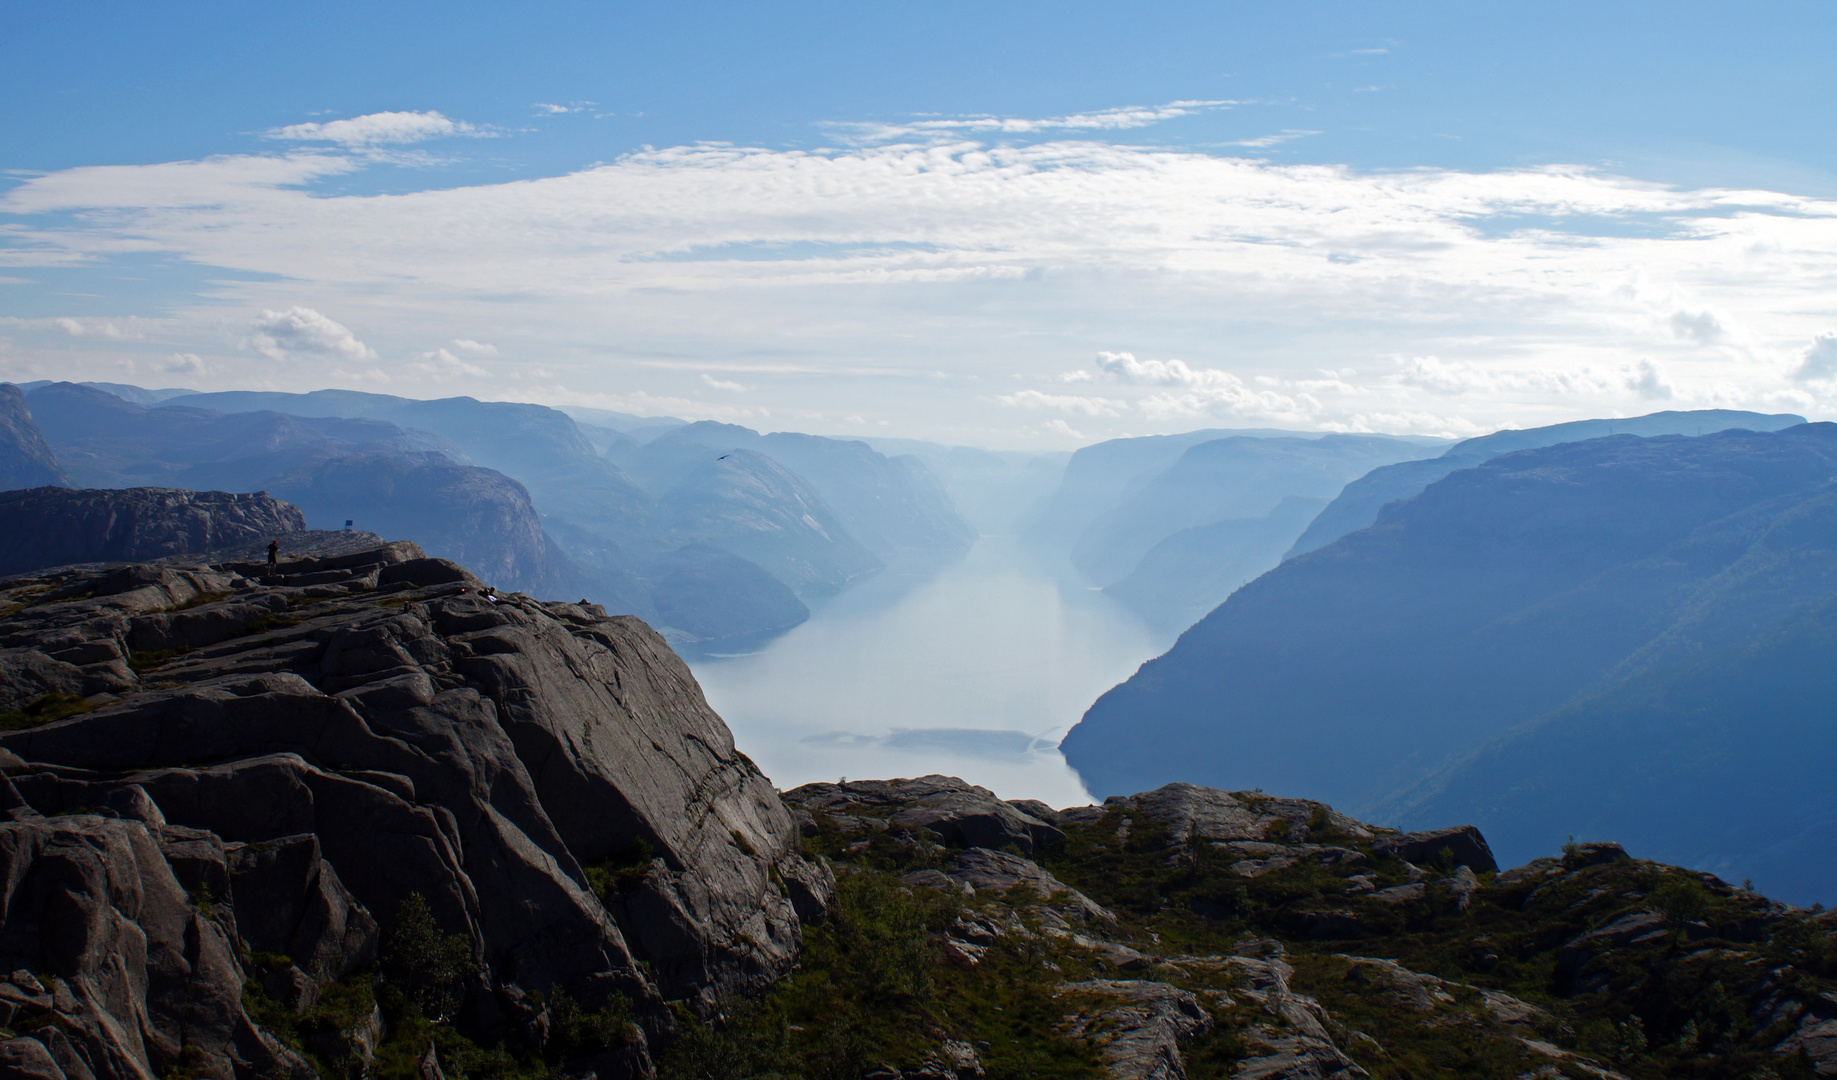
1018,225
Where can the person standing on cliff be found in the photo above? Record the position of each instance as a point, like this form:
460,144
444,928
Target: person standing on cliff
274,555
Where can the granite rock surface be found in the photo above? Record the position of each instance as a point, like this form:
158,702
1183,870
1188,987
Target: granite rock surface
206,764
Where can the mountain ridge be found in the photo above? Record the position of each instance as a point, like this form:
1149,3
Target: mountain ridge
1498,594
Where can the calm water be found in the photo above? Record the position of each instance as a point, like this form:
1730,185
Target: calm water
975,671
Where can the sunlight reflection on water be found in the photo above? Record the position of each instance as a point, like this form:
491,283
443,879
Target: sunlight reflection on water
976,671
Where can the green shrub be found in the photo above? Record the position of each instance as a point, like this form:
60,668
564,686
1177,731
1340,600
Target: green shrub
576,1033
622,871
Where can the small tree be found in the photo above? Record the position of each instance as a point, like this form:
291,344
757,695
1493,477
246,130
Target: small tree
1631,1042
1680,901
428,966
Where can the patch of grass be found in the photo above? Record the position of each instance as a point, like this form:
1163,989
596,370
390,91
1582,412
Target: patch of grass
894,849
43,710
265,623
872,988
153,659
202,599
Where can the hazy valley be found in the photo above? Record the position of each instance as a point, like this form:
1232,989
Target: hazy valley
1494,659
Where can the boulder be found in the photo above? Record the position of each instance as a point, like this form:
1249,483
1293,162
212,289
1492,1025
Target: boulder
959,813
1463,845
1136,1026
27,675
1191,812
1596,853
288,900
981,869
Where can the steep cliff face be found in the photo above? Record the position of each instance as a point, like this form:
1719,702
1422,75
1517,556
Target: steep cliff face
1531,583
52,526
477,517
26,460
751,506
888,504
313,760
539,446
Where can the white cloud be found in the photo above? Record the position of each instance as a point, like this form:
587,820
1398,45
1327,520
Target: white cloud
1649,382
946,256
1457,377
1060,427
100,328
1819,362
442,365
723,384
1702,327
1410,423
376,128
545,108
1233,400
1123,367
183,364
280,335
1262,142
1212,392
1118,119
1067,403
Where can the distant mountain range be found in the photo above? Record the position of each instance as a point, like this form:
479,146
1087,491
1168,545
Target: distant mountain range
1171,524
1357,506
722,543
1622,636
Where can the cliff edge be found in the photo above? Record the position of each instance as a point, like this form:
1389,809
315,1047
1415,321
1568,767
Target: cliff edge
209,779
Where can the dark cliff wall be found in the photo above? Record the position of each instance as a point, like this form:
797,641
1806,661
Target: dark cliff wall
52,526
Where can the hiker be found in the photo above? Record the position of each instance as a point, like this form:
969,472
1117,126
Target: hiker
274,556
